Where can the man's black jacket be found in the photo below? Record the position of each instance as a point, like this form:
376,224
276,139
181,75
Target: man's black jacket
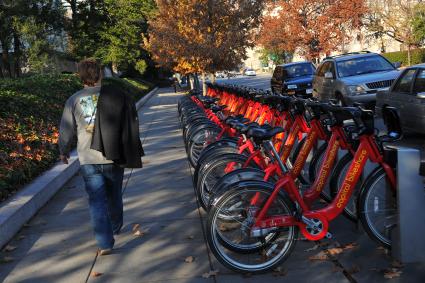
116,130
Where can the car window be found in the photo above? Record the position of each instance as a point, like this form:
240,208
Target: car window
299,70
419,83
332,68
405,81
363,65
323,69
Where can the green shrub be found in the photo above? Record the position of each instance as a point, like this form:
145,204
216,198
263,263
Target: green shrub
135,88
417,57
31,109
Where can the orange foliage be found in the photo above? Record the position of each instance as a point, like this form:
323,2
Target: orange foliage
311,27
192,36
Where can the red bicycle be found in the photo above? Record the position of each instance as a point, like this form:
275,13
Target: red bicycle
254,226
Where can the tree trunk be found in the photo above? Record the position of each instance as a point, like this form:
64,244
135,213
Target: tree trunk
408,55
17,53
191,81
5,57
197,84
1,71
204,85
213,78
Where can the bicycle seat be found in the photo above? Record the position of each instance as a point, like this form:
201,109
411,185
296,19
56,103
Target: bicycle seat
243,128
261,134
216,108
233,120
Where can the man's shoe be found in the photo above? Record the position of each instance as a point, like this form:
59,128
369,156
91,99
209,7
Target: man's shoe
105,252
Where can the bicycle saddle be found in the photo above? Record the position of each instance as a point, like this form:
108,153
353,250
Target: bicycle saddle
243,128
261,134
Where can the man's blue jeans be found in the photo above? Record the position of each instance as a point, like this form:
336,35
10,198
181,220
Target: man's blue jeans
104,188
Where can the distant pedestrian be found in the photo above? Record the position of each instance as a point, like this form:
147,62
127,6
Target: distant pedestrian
176,83
102,175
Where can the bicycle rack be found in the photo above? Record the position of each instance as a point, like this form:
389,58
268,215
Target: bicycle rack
408,236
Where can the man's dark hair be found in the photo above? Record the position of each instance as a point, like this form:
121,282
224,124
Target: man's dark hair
89,71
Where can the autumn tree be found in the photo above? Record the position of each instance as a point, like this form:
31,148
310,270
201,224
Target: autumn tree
394,18
419,23
203,36
310,27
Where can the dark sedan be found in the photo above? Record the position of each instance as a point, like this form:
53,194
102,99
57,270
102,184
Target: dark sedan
407,95
293,79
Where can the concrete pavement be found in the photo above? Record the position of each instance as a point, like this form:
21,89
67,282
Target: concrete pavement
163,239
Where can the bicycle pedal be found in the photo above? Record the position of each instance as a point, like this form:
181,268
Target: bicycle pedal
328,235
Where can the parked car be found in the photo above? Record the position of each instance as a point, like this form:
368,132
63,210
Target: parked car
354,77
293,78
407,95
220,75
249,72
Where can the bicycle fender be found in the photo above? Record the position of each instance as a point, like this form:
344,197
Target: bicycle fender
238,175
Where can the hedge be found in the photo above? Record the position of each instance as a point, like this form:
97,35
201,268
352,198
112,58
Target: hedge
31,108
417,56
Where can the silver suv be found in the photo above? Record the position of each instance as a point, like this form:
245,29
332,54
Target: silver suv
353,77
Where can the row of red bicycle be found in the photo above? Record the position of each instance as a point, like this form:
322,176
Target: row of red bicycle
262,162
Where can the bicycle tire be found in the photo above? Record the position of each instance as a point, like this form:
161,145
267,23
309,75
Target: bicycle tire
388,207
216,242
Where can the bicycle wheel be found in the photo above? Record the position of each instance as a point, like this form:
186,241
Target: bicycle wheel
213,154
260,254
201,139
378,207
213,171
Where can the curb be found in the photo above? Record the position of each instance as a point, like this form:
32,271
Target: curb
21,207
145,98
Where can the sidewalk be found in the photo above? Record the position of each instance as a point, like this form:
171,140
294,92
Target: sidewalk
163,240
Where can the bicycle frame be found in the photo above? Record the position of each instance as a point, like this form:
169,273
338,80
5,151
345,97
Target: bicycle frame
367,150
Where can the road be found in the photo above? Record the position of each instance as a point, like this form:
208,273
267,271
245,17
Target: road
261,81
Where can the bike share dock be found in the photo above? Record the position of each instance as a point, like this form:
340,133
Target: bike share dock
163,239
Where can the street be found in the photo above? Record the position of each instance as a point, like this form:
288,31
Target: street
261,81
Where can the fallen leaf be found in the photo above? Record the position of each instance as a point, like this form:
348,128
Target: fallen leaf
350,246
210,273
335,251
95,274
139,233
6,259
9,248
191,237
315,247
337,269
320,256
229,227
353,269
279,271
392,273
396,264
189,259
135,227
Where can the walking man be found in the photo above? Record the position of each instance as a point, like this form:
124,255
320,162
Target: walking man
102,177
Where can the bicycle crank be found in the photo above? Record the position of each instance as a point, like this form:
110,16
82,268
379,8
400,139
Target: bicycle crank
315,226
